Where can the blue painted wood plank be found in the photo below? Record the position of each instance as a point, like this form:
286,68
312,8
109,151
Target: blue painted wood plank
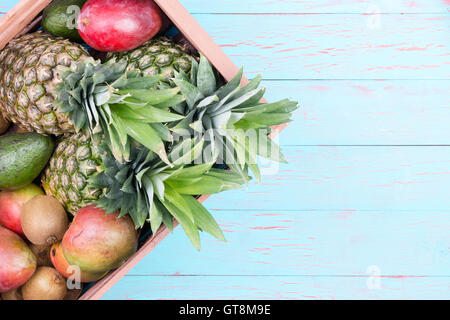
283,287
344,46
344,178
314,6
310,243
6,5
365,112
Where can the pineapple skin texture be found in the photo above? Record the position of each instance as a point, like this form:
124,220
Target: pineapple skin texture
66,176
28,81
76,158
156,56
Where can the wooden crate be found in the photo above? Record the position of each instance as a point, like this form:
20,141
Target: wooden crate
17,21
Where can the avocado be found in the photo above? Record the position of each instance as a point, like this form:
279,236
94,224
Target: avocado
60,17
22,158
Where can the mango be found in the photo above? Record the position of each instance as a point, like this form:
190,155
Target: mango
96,242
11,203
17,261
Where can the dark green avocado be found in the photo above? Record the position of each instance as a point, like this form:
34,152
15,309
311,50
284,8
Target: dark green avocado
22,158
59,18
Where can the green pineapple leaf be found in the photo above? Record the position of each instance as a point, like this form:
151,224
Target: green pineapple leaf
206,80
203,219
147,114
220,113
105,99
146,135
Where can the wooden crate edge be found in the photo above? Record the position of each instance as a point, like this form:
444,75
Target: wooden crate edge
16,19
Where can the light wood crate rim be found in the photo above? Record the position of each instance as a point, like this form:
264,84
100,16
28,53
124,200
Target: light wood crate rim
15,20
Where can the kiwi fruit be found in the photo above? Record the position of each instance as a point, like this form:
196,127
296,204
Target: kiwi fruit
42,254
45,284
14,294
44,220
4,124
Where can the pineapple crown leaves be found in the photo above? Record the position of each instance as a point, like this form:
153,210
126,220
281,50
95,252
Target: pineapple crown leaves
148,189
228,115
106,99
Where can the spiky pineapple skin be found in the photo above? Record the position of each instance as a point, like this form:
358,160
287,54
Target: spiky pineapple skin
28,81
156,56
66,176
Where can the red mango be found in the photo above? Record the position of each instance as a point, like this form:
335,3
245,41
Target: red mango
118,25
17,261
97,242
60,263
11,203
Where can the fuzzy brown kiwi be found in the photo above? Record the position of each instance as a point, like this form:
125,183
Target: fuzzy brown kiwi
14,294
45,284
42,254
44,220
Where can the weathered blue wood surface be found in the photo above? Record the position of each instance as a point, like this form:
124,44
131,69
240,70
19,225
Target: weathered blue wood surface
374,201
336,46
391,112
5,5
351,177
317,6
279,287
321,242
362,210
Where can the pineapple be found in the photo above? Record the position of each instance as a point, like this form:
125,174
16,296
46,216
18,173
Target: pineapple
28,81
52,86
83,172
211,107
229,116
156,56
66,177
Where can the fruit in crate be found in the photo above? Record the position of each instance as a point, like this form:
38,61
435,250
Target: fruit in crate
29,81
60,18
70,271
44,220
118,25
157,56
18,263
96,242
123,156
22,158
11,203
137,113
45,284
